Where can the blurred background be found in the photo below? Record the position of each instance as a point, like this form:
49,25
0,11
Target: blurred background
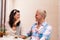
28,9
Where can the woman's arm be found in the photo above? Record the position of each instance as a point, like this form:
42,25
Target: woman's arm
9,29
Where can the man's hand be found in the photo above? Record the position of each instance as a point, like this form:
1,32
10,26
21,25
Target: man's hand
23,37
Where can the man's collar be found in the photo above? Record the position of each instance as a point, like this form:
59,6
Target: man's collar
44,23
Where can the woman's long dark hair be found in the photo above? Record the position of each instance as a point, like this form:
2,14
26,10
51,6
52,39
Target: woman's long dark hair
11,17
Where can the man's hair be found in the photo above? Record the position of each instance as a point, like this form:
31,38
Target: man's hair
43,13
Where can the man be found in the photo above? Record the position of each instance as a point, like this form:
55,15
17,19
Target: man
39,30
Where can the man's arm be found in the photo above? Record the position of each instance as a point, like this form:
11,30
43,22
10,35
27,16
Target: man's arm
26,35
47,33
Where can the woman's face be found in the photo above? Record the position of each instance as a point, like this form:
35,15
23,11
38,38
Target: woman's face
17,16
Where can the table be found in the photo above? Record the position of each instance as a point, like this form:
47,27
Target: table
9,38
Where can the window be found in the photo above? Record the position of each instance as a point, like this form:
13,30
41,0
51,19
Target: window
2,14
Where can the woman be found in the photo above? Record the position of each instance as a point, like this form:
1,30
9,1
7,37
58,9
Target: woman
13,26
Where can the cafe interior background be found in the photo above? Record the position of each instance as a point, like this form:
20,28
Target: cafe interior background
27,10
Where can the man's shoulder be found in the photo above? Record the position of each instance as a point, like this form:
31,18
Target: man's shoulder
49,27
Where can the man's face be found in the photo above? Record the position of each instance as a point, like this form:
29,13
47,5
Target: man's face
38,16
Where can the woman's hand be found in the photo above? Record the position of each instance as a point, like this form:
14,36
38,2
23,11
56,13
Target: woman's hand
7,33
14,28
17,21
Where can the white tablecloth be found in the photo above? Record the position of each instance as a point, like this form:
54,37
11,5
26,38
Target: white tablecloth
9,38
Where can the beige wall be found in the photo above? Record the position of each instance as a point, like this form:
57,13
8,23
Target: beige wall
28,9
59,18
9,7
